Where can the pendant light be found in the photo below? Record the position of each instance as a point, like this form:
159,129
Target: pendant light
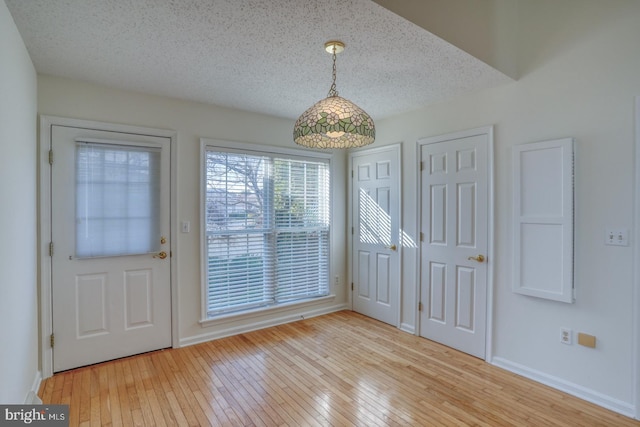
334,122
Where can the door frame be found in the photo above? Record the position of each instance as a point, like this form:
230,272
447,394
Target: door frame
350,225
488,131
636,266
45,226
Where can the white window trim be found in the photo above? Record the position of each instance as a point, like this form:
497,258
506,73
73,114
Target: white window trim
260,313
248,148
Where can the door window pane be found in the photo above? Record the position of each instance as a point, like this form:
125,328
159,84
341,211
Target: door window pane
117,200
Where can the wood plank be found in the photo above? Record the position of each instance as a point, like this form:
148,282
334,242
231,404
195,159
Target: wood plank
123,398
338,369
114,407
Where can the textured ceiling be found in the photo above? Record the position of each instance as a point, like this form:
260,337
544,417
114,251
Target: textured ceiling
265,56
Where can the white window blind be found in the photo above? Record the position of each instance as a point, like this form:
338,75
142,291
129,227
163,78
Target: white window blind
117,199
267,237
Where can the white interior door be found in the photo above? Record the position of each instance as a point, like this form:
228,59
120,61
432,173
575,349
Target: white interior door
454,222
110,222
376,227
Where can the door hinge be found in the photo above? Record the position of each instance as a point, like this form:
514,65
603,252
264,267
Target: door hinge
352,230
420,306
50,248
51,340
421,236
352,174
351,286
50,157
422,165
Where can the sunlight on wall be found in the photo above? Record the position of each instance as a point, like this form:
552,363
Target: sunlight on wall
375,224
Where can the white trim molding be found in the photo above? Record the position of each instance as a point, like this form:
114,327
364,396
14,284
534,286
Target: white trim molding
576,390
278,316
32,396
408,328
636,265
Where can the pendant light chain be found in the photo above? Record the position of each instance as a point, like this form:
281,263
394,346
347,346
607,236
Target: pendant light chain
333,91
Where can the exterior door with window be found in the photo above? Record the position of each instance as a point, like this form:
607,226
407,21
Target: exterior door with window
110,245
376,233
454,221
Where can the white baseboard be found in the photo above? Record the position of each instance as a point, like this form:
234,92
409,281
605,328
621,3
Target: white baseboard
408,328
254,326
32,397
624,408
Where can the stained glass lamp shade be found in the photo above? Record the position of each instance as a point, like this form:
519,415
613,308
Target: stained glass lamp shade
334,122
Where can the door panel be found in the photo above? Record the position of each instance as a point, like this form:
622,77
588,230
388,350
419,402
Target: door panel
437,289
364,267
91,306
138,299
110,221
383,281
454,220
466,215
465,287
376,233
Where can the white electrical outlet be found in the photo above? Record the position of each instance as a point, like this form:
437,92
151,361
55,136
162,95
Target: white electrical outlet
336,280
616,237
566,336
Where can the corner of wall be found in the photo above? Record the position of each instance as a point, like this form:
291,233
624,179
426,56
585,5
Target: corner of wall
18,225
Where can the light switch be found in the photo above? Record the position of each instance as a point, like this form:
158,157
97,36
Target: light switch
617,237
186,226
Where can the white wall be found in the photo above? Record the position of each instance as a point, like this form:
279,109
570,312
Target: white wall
74,99
18,295
579,68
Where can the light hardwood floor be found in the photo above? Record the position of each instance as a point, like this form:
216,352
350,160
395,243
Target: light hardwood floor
340,369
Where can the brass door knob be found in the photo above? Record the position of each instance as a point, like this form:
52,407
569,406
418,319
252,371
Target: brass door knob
392,247
479,258
161,255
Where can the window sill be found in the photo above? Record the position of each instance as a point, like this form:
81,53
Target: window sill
261,312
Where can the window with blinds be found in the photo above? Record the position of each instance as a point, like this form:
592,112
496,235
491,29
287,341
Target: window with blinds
117,199
267,230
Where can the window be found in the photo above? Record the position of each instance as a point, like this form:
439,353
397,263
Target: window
267,229
117,199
